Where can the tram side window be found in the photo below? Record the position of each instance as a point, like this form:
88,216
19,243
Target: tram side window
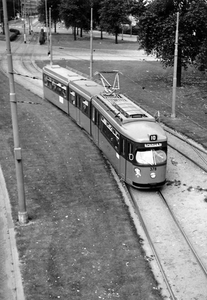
110,133
72,97
47,81
98,118
85,106
58,87
130,150
94,115
123,146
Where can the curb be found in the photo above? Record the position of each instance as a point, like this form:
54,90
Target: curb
11,258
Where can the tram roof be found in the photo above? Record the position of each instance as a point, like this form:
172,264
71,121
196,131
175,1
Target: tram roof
136,129
141,131
123,109
87,87
61,73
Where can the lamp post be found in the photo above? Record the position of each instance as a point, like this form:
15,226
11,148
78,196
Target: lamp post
14,8
91,43
22,213
25,38
29,10
173,115
47,25
50,24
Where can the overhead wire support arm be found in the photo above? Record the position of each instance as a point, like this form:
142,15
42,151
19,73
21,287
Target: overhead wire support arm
109,87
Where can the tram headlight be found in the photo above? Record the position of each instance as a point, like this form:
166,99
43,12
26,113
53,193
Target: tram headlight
137,172
153,175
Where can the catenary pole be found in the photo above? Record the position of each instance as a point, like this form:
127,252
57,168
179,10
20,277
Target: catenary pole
22,213
173,115
50,24
91,43
48,46
25,38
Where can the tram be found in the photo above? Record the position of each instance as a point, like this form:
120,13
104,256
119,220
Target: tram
130,138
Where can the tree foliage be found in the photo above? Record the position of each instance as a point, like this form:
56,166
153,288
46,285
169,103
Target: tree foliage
55,16
157,25
12,9
109,15
76,13
113,14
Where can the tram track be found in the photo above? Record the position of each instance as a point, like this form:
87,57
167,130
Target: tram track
182,200
171,247
188,148
200,262
24,69
154,252
202,164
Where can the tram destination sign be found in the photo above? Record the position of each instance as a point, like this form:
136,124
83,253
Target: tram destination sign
153,145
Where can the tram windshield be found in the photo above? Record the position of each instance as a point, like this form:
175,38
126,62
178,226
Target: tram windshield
151,157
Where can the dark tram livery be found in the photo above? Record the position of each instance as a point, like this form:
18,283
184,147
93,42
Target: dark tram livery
131,139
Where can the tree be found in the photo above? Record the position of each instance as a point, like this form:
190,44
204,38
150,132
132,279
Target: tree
113,14
55,16
11,9
96,13
76,13
157,25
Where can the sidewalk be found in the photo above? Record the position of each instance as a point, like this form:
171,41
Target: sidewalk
10,277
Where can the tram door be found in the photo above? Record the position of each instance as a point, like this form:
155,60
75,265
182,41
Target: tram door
129,160
78,111
94,124
72,104
122,160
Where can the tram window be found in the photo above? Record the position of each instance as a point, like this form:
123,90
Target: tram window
45,79
54,85
130,149
122,146
151,157
49,83
78,99
97,118
85,104
72,97
93,114
110,133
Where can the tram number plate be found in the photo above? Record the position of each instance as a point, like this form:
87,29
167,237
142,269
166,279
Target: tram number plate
153,137
153,169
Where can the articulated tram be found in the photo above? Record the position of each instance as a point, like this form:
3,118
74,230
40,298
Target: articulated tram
131,139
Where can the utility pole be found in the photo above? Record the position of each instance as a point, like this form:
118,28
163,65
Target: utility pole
25,39
22,213
173,115
50,23
47,26
91,43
